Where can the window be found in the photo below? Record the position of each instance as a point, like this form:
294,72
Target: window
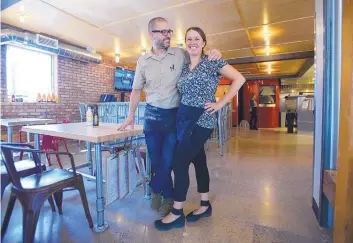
29,72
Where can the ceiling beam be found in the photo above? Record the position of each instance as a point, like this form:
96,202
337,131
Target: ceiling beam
7,3
306,66
272,58
270,77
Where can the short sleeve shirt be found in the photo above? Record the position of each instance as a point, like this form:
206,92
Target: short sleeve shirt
158,77
198,87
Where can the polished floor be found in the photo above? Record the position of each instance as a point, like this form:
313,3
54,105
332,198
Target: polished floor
260,192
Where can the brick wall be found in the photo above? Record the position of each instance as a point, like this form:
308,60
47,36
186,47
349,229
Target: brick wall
76,81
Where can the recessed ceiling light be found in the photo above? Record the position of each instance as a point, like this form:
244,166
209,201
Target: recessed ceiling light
117,57
266,37
265,29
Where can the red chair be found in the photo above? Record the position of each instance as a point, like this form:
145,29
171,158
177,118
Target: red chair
50,143
47,144
56,140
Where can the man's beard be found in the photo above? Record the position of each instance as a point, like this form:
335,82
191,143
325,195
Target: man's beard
163,46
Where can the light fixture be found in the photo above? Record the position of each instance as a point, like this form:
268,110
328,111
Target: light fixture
267,42
180,43
268,50
269,71
117,57
22,18
266,29
266,36
22,8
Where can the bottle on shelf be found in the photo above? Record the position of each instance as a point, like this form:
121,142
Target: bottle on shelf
44,99
49,98
13,98
53,98
39,98
89,116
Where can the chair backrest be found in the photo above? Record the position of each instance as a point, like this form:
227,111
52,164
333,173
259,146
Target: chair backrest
7,150
244,124
47,142
82,108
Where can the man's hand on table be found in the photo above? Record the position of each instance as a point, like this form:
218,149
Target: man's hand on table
128,122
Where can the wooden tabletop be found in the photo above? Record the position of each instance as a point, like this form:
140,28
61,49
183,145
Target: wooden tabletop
80,131
24,121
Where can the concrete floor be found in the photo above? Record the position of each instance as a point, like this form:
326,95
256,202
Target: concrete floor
260,193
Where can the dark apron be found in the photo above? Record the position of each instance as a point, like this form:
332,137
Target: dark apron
159,120
186,121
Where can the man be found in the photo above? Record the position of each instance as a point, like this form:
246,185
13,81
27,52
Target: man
253,112
157,73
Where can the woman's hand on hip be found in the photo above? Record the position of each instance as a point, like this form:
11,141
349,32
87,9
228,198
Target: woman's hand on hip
213,107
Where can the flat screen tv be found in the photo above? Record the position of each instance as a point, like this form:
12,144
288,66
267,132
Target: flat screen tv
123,79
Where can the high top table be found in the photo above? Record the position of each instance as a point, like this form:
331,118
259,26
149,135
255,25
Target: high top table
80,131
12,122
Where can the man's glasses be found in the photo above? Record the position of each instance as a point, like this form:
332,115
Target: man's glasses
163,32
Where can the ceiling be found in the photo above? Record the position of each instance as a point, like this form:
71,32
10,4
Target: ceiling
238,28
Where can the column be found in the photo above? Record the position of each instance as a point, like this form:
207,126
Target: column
343,223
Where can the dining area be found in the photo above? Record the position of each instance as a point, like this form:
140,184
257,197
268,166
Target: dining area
34,181
97,166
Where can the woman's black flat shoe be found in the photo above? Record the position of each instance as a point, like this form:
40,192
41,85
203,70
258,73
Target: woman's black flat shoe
192,218
178,223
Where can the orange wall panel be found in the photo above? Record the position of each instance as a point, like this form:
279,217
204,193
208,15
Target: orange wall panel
267,116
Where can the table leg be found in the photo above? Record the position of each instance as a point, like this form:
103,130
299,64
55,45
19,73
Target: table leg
28,141
89,157
37,144
148,175
9,134
100,226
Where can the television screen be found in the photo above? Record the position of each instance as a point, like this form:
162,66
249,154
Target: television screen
123,79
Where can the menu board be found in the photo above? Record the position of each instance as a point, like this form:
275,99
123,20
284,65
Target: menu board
112,180
133,179
123,175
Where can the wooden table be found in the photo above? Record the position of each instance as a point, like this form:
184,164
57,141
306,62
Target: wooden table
12,122
97,135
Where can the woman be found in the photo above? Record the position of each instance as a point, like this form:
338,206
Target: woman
195,121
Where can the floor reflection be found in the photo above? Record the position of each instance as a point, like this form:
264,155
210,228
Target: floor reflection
260,192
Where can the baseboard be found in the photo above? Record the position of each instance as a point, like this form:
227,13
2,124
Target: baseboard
315,208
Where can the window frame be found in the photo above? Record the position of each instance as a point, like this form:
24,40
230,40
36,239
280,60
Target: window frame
53,65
